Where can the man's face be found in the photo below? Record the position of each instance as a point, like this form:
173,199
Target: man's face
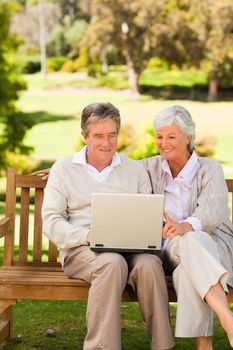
101,143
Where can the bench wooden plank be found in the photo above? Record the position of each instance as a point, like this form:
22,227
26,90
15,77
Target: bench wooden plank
10,213
37,244
4,330
24,213
52,254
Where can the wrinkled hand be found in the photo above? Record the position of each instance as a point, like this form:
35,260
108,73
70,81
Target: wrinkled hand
173,228
44,173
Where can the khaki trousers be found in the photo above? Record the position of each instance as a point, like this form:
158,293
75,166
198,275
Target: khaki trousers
195,260
108,274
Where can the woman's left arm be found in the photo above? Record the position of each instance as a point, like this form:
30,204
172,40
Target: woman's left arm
211,205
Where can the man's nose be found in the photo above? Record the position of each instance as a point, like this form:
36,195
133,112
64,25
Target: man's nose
106,141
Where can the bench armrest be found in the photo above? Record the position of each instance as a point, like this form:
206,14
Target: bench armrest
5,225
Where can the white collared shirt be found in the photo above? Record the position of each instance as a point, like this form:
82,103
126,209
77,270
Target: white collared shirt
80,158
178,190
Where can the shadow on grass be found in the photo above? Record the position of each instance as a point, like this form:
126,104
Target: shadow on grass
196,92
39,117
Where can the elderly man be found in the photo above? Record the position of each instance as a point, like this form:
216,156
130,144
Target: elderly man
66,221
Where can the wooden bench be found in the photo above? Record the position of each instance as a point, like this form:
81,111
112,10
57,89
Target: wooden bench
28,276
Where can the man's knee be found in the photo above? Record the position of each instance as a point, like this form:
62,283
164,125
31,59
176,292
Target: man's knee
114,262
147,262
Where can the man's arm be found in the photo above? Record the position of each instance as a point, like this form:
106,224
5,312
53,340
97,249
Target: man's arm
56,225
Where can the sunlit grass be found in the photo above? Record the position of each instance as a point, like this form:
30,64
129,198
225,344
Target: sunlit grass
32,319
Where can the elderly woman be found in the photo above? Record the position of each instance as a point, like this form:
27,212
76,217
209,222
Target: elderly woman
198,235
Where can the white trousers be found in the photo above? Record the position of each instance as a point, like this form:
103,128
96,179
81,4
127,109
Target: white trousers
197,266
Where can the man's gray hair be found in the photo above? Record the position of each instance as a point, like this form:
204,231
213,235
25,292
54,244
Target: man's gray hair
180,116
96,112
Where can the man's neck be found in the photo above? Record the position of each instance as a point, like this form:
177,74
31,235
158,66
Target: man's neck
98,165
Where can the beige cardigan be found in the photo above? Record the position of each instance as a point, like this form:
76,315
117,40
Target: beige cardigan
208,202
66,209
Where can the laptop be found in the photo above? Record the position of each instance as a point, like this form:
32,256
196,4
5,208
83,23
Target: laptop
126,222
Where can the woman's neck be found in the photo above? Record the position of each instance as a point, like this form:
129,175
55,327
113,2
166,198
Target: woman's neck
177,165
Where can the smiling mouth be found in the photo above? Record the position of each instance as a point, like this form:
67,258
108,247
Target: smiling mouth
167,150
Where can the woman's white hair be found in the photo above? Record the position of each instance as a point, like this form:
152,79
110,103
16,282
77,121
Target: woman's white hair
180,116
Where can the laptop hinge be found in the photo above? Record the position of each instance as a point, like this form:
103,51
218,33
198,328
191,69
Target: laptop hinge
99,245
152,246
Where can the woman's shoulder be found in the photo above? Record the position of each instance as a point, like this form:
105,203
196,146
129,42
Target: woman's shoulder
151,162
209,164
210,172
129,163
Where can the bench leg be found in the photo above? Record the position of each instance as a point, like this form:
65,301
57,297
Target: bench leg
6,321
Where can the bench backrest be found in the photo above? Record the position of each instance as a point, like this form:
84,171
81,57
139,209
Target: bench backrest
31,188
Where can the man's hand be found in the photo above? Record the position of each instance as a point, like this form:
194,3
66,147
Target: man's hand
173,228
44,173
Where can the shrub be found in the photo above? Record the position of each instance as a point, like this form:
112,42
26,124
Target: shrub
69,66
145,145
93,70
32,65
156,62
55,64
24,164
205,145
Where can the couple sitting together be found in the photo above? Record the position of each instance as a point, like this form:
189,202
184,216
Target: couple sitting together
198,234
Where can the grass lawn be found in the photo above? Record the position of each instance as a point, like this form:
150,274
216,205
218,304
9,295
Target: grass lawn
67,320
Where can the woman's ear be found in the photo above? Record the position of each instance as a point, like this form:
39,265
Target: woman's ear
188,139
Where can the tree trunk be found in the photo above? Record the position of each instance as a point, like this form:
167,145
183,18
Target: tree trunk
133,80
42,39
133,73
213,86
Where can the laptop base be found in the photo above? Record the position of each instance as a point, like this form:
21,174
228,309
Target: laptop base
125,250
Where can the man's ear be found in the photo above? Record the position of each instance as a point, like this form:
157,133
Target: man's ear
84,137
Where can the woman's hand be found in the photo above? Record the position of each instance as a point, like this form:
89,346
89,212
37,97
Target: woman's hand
173,228
44,173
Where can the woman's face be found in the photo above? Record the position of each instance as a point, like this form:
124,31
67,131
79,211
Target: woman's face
172,143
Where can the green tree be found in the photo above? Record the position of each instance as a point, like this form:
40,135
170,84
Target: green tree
13,128
213,21
155,28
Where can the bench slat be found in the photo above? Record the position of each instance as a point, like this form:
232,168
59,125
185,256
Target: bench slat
29,181
230,190
52,252
24,219
4,330
10,212
37,244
